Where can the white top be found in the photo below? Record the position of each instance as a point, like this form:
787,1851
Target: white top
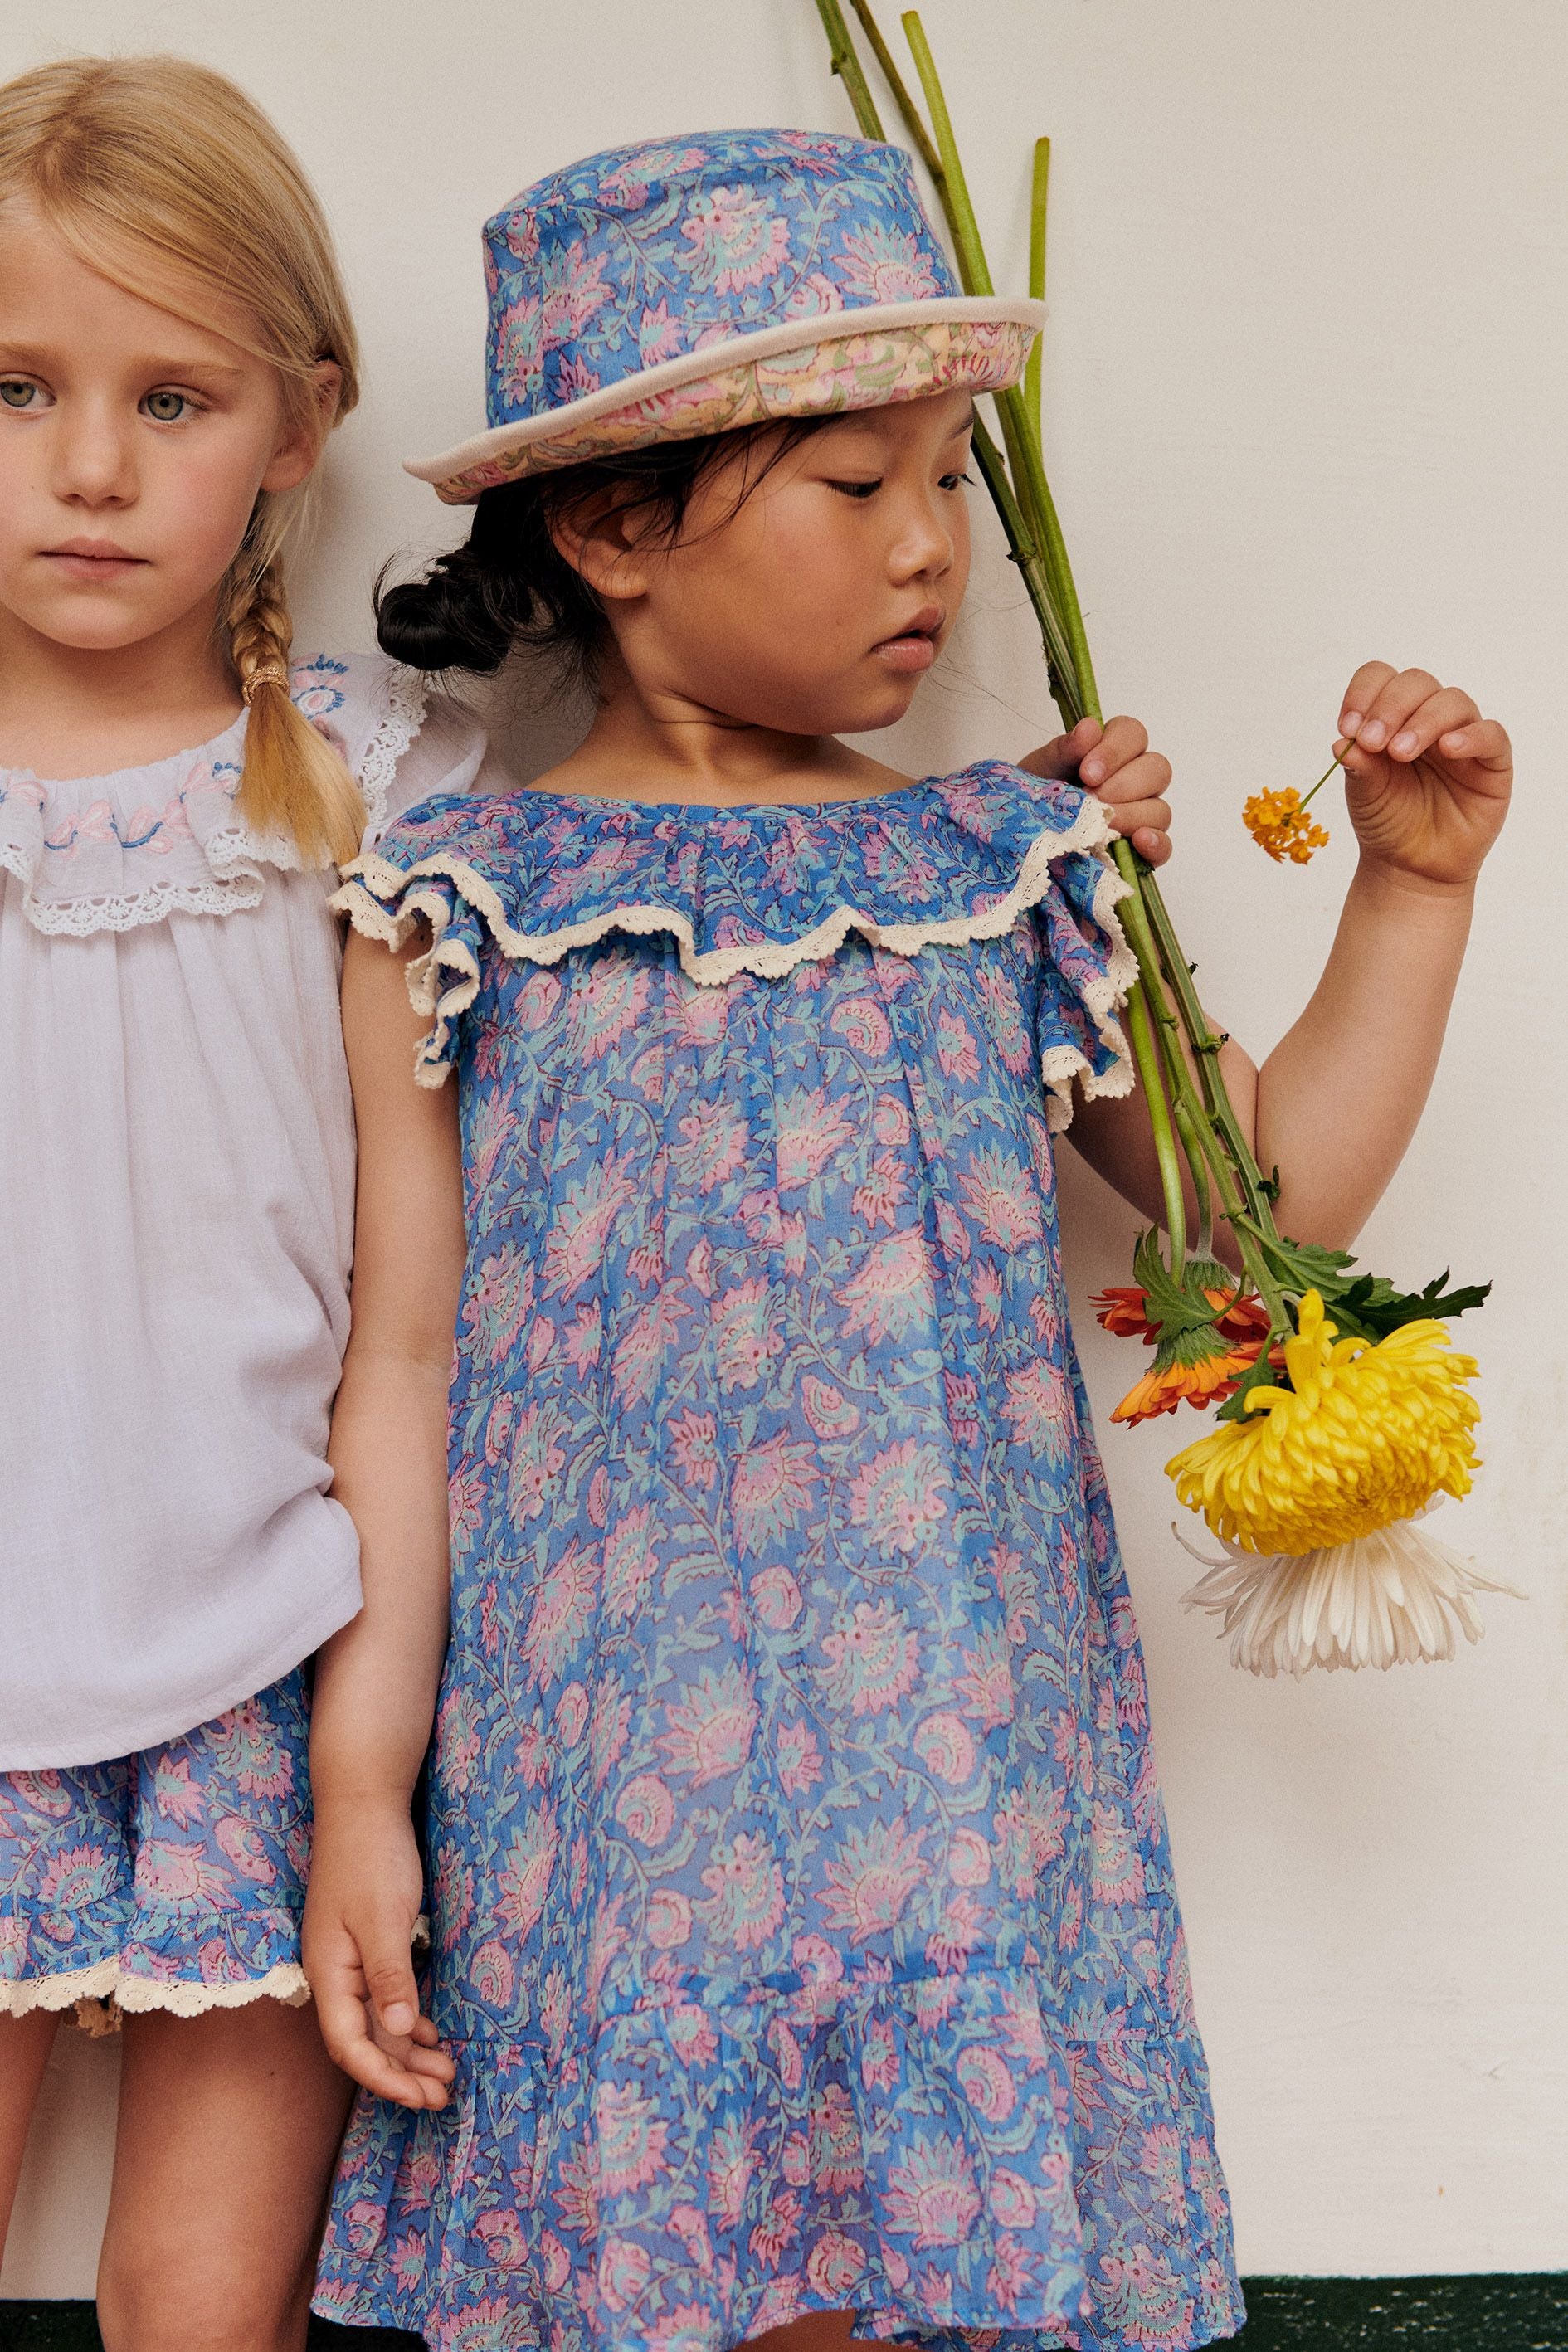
176,1223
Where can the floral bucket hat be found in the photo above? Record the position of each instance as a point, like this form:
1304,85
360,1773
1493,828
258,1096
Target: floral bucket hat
698,285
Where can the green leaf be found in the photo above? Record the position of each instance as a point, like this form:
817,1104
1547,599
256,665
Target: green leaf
1260,1375
1178,1310
1373,1302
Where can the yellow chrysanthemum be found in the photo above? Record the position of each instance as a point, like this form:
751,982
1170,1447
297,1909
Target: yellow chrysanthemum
1366,1435
1279,823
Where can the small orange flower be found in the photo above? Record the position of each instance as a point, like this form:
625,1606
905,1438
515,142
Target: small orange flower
1279,823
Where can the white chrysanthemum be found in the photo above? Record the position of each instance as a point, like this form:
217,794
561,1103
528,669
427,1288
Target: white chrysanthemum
1392,1597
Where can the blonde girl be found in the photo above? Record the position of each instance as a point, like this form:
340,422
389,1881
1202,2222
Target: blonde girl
177,1181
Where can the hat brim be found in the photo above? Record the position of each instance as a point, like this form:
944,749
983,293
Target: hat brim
828,363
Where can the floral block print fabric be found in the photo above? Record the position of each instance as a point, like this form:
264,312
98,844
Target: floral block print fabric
644,268
871,369
805,1928
645,254
173,1879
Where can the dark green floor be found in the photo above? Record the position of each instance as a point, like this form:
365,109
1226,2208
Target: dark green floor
1505,2313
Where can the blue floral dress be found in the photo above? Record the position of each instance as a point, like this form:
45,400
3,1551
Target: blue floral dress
804,1928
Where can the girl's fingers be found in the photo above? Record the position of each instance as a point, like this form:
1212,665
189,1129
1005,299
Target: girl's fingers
1141,784
1482,742
1448,708
1392,705
386,1958
1059,760
1123,742
340,2015
344,2025
1139,817
1153,845
1362,693
432,2065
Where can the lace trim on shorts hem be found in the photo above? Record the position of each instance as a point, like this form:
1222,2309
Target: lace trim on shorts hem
103,1994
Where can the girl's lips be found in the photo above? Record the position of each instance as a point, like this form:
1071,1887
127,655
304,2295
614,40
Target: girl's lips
914,647
914,652
87,561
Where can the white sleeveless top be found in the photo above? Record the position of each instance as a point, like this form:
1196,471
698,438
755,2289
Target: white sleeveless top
176,1224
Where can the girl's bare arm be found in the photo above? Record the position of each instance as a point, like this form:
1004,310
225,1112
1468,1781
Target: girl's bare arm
1337,1101
376,1680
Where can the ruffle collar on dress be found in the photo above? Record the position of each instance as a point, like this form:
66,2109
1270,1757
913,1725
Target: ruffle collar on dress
112,853
757,890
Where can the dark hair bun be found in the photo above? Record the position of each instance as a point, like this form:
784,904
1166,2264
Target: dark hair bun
472,606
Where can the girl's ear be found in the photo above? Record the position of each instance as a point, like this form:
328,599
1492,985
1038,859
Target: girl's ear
603,539
301,436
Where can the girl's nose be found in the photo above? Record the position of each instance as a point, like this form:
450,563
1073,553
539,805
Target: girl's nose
93,458
924,546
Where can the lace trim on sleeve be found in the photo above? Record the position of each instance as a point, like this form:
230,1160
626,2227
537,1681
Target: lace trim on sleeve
387,902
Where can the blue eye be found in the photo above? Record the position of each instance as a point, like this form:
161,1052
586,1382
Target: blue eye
16,393
166,407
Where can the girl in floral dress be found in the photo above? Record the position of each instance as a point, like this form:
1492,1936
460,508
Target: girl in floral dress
803,1921
178,1157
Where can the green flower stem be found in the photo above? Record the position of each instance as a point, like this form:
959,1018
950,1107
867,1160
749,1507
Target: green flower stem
1206,1045
953,186
1038,196
845,63
1024,552
1189,1130
1146,1056
901,97
1318,787
1197,1121
1041,504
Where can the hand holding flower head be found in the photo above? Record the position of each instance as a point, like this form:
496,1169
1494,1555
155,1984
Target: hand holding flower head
1344,1409
1427,778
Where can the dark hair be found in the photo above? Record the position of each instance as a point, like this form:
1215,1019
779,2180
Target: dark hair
510,585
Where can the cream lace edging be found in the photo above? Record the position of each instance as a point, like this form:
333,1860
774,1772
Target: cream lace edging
406,705
369,881
100,1994
233,854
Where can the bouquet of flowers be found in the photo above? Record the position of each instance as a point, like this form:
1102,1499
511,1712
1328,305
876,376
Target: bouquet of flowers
1343,1411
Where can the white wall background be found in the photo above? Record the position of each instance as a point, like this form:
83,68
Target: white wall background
1305,383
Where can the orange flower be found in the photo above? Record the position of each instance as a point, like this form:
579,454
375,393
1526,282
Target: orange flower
1279,823
1202,1365
1126,1313
1208,1382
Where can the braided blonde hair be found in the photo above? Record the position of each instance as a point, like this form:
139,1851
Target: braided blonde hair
164,177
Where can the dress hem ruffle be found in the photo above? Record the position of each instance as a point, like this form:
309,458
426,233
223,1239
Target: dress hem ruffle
913,2195
883,2326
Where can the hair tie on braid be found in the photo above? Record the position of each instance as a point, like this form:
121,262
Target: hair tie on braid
268,674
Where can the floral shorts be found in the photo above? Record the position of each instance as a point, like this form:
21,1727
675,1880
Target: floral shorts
173,1879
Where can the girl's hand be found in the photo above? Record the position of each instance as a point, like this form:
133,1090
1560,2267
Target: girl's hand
1114,763
360,1914
1427,777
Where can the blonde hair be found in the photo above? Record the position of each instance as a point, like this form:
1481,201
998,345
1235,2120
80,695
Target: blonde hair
164,177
